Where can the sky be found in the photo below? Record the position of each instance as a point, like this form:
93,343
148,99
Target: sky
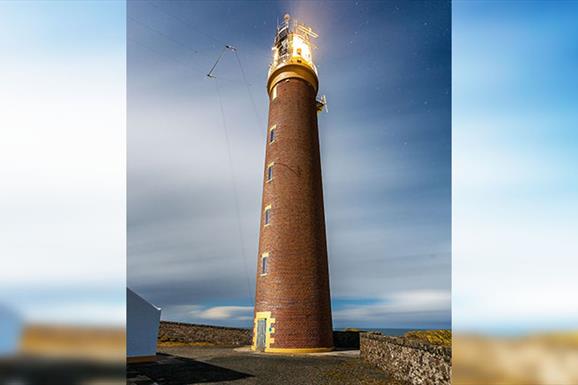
515,151
385,149
62,161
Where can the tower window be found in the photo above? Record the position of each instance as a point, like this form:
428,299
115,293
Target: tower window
269,172
272,133
274,93
264,263
267,215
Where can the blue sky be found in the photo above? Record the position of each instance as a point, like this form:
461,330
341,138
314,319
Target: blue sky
62,156
515,191
385,143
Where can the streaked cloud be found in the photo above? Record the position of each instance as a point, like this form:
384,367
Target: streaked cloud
515,194
401,309
62,157
385,149
225,312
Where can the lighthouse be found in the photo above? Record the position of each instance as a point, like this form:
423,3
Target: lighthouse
292,305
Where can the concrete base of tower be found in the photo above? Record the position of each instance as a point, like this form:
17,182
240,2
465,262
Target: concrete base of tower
296,350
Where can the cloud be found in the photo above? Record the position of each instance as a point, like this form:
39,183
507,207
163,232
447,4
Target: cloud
232,315
407,305
225,313
77,313
62,153
514,156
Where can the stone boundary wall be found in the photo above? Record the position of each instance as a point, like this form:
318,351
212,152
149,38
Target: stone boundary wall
408,360
178,332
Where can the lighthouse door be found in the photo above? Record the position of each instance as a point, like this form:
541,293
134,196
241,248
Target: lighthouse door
261,334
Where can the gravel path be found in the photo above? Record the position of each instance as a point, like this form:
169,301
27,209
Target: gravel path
217,365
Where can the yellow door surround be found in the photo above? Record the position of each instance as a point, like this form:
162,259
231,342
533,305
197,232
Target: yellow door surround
270,340
268,330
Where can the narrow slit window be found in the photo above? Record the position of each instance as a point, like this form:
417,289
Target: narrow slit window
267,215
264,263
274,93
269,172
272,134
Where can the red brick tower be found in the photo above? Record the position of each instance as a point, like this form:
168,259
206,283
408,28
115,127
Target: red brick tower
292,306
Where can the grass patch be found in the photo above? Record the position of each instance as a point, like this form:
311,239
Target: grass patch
434,337
567,339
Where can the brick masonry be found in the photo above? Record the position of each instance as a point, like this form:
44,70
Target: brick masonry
296,287
191,333
408,360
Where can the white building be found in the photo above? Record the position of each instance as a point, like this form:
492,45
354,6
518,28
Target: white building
142,328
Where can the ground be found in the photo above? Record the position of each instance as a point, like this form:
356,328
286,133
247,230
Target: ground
38,370
225,365
533,359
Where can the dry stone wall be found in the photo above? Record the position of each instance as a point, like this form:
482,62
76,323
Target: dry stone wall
408,360
178,332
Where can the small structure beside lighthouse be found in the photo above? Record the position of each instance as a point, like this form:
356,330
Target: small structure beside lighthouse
292,306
